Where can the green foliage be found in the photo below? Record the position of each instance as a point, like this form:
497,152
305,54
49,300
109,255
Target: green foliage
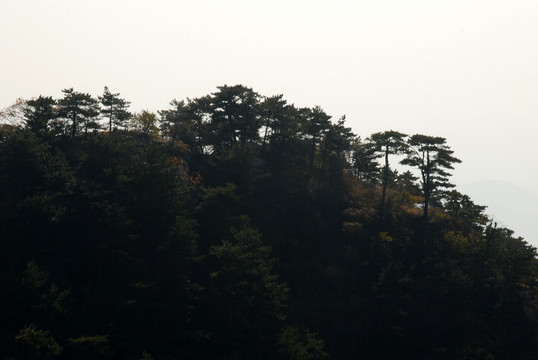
145,356
114,109
461,206
38,344
280,125
245,271
97,345
407,182
239,218
145,122
248,290
339,139
234,115
433,158
80,109
365,166
46,294
184,122
314,129
40,116
385,144
301,344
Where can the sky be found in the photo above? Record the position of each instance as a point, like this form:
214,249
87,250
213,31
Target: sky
466,70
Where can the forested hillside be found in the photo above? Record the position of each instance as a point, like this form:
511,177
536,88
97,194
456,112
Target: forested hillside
239,226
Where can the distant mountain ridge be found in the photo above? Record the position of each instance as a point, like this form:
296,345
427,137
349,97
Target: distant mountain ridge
508,204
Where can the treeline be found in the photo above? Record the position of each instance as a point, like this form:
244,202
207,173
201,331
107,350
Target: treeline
240,226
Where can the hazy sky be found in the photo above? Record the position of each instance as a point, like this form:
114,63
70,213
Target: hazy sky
464,70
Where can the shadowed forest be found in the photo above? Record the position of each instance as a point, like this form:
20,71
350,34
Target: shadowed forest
239,226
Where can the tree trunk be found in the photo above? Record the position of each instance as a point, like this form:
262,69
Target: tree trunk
385,182
74,127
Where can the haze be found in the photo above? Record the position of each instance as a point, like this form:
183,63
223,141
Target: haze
464,70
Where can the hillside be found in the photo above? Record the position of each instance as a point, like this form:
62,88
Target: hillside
237,226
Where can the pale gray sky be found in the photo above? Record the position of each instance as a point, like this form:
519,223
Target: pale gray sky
465,70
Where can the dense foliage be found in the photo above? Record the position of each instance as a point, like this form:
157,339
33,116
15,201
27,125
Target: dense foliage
238,226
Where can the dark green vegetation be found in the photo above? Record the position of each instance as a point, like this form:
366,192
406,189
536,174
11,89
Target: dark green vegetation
236,226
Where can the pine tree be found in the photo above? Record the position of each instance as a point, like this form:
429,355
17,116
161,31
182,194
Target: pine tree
114,109
79,108
387,143
39,115
432,157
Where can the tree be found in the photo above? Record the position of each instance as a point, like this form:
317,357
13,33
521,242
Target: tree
281,146
234,116
388,143
505,291
364,164
280,121
301,344
79,108
114,108
406,181
38,343
317,125
185,122
39,114
334,151
461,206
251,296
146,122
339,139
432,157
13,114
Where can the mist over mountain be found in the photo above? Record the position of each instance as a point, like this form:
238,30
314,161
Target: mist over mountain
508,204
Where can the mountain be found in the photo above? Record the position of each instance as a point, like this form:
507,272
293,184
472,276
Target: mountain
509,205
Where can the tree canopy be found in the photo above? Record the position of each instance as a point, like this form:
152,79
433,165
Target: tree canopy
114,109
433,158
239,226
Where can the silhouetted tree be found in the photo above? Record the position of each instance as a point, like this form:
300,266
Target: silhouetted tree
78,108
364,164
339,139
278,118
316,126
387,143
114,109
184,121
233,116
112,247
461,206
39,115
432,157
